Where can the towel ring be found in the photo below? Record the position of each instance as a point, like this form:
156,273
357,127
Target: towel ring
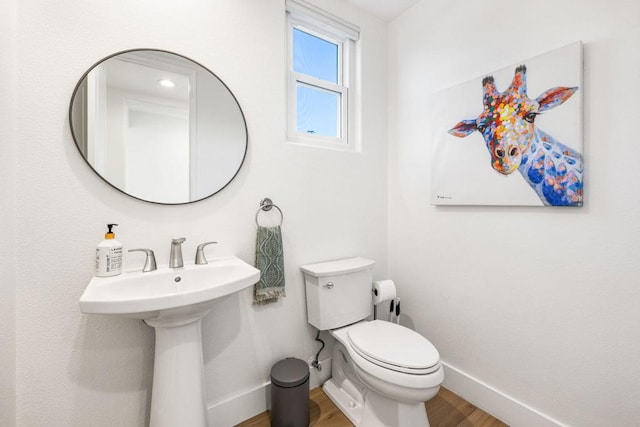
265,205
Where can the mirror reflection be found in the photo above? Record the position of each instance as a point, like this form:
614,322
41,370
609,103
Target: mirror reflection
158,126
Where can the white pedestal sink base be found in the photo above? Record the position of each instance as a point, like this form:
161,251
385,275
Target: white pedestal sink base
178,376
173,301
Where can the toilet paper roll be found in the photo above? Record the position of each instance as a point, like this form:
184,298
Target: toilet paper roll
383,290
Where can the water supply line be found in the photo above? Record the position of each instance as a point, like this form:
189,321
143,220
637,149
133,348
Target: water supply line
316,363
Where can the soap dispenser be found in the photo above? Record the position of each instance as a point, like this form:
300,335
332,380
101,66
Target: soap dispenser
109,255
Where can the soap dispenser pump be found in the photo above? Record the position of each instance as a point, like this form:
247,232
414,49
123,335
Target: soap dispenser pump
109,255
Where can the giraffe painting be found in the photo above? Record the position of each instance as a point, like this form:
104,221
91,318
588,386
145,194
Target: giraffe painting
510,137
507,125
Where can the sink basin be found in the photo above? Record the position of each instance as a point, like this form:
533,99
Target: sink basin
173,302
167,291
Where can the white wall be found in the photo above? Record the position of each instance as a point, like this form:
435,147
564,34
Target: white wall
539,305
76,370
7,219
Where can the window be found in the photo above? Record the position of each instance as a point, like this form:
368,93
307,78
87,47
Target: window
321,69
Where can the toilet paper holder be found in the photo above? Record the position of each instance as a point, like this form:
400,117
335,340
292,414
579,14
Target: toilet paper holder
383,291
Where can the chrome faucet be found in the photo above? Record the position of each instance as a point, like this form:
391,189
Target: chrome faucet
175,257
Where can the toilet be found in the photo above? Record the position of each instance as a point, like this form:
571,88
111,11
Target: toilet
381,372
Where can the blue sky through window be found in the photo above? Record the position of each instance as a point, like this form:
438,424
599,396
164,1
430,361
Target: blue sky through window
314,56
317,108
318,111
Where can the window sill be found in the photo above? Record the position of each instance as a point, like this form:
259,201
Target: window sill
326,144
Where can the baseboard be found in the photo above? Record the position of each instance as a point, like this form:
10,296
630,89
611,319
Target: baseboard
494,402
241,407
250,403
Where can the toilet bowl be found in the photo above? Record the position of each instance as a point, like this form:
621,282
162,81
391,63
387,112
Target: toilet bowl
381,372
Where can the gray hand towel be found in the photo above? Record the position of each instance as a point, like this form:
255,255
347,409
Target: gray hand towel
270,262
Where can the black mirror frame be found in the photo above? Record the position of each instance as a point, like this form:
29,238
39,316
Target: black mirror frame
75,139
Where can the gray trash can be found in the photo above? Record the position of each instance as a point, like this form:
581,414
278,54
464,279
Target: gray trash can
290,393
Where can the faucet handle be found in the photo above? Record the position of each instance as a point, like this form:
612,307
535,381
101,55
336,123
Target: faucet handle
200,258
150,262
178,240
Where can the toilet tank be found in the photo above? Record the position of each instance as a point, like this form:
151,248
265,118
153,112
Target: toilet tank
338,292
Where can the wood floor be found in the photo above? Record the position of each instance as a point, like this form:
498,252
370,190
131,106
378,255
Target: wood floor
445,410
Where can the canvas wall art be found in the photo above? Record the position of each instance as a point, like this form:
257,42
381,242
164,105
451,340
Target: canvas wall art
513,136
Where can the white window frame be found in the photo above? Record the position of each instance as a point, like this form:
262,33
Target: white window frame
319,23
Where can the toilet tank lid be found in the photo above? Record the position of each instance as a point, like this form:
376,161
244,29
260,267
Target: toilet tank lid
340,266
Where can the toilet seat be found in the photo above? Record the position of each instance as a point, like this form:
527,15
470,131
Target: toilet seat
390,380
393,347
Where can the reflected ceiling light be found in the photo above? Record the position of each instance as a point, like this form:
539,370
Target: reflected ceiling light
167,83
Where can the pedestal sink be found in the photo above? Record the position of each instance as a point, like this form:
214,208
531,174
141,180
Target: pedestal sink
174,302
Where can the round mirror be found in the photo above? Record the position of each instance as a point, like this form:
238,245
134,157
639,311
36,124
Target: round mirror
158,126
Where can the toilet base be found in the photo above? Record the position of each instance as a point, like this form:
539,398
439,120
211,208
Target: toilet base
351,407
362,405
374,410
